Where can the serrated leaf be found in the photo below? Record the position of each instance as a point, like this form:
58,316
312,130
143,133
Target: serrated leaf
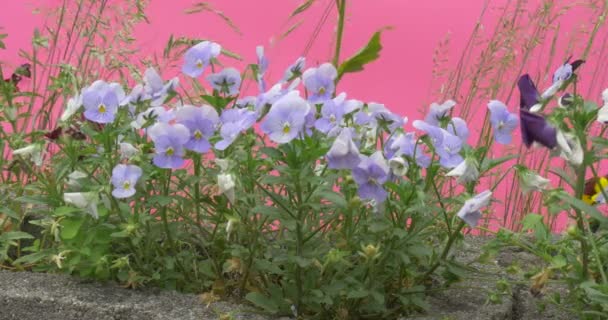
262,301
367,54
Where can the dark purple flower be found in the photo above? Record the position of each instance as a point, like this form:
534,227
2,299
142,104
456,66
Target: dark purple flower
370,175
101,101
319,82
198,57
201,122
169,141
286,118
535,128
233,122
124,178
343,153
226,81
503,122
529,94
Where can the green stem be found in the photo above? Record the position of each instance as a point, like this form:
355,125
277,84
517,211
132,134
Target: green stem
446,250
197,191
580,219
341,16
163,213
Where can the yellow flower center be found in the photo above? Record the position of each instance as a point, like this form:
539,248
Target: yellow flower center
169,151
199,64
101,108
286,128
321,90
198,135
332,118
126,185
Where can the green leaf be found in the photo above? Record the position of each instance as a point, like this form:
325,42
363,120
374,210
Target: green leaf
15,235
357,294
367,54
335,198
70,227
489,164
531,221
301,8
32,258
262,301
581,205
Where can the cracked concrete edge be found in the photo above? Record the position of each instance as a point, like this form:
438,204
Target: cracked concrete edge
27,296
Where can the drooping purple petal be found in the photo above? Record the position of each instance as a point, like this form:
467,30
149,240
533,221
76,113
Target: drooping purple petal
535,128
529,93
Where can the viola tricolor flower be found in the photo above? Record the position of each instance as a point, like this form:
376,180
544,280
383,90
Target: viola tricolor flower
169,141
529,96
201,123
333,111
157,114
198,57
233,122
227,81
319,82
439,111
154,88
343,153
405,144
262,67
101,101
295,70
471,210
370,175
286,118
503,122
458,127
124,178
446,145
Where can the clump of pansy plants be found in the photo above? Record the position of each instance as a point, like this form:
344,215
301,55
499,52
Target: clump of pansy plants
300,199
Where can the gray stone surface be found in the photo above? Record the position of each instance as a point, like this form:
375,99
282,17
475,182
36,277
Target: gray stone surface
33,296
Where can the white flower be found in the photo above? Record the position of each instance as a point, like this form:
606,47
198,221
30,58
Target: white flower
74,177
570,148
73,105
530,181
83,200
232,222
127,150
552,90
466,171
226,184
470,211
536,108
398,165
33,152
224,164
602,114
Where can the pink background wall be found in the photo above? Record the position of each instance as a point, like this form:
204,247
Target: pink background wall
400,78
